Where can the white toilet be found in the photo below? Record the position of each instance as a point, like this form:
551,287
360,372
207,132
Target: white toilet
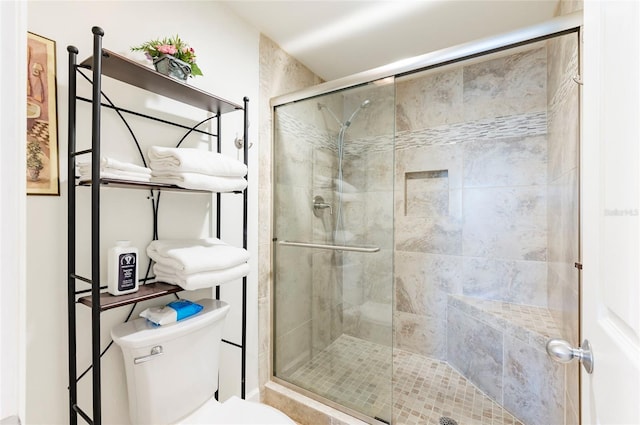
172,372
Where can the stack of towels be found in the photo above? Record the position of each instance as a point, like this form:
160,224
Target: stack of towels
197,263
111,168
197,169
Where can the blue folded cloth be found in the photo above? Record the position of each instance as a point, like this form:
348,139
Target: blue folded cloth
185,308
172,312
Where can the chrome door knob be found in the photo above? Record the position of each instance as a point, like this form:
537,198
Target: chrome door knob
561,351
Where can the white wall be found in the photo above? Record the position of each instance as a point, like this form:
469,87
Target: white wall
228,55
12,220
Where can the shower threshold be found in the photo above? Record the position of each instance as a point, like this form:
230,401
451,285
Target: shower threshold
356,373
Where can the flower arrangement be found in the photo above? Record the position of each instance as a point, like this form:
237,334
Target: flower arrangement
172,46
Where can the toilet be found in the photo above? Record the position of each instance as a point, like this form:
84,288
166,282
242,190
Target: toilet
172,372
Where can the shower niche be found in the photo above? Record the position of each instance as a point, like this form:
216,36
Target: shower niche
426,193
437,257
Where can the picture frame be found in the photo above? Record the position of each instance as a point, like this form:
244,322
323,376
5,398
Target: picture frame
43,172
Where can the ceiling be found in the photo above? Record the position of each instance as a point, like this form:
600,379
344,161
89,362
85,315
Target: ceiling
339,38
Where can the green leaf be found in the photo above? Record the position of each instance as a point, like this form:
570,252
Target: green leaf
195,70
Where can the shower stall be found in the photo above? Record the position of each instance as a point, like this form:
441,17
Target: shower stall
425,236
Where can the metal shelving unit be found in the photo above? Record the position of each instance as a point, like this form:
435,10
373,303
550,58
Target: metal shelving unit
106,63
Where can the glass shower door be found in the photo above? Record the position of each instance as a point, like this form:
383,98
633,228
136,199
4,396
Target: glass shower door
333,247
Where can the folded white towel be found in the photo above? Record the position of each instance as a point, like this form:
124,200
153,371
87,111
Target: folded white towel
110,173
191,160
108,163
200,280
188,256
198,181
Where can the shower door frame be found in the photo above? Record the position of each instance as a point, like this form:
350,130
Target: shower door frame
562,25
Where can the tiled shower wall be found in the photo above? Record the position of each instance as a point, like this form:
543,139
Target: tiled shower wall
486,209
309,280
368,170
471,204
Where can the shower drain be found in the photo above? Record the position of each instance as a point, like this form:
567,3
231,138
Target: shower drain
447,421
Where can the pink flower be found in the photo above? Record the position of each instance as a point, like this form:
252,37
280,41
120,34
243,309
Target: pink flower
167,49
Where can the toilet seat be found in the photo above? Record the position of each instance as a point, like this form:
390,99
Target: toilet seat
236,411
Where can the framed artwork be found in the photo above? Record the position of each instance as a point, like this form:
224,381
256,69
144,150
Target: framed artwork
42,117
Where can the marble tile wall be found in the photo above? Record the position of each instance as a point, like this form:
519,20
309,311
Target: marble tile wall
470,199
533,384
498,139
308,297
500,347
367,194
368,213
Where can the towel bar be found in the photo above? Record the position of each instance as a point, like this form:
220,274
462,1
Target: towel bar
333,247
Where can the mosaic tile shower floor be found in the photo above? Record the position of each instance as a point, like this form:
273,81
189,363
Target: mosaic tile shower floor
356,372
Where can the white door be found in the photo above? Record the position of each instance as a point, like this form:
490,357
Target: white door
610,204
13,207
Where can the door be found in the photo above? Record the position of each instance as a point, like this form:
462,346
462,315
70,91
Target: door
333,248
14,209
610,201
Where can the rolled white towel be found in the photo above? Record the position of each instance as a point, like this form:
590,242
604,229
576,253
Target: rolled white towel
190,160
200,280
112,165
198,181
188,256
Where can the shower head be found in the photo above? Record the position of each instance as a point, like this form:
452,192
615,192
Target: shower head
363,105
347,123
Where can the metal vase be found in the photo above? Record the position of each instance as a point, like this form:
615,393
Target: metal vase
173,67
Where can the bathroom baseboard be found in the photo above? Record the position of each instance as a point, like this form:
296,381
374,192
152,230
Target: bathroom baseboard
10,420
252,396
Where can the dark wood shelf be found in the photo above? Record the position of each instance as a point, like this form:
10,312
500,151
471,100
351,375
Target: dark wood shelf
131,184
130,72
145,292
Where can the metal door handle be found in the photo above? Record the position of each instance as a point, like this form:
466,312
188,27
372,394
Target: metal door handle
333,247
561,351
155,352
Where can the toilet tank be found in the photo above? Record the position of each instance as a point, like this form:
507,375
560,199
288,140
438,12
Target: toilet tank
172,369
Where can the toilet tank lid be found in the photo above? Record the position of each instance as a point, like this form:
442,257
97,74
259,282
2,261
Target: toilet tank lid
140,332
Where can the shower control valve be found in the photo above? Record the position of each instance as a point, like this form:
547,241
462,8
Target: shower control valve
319,204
